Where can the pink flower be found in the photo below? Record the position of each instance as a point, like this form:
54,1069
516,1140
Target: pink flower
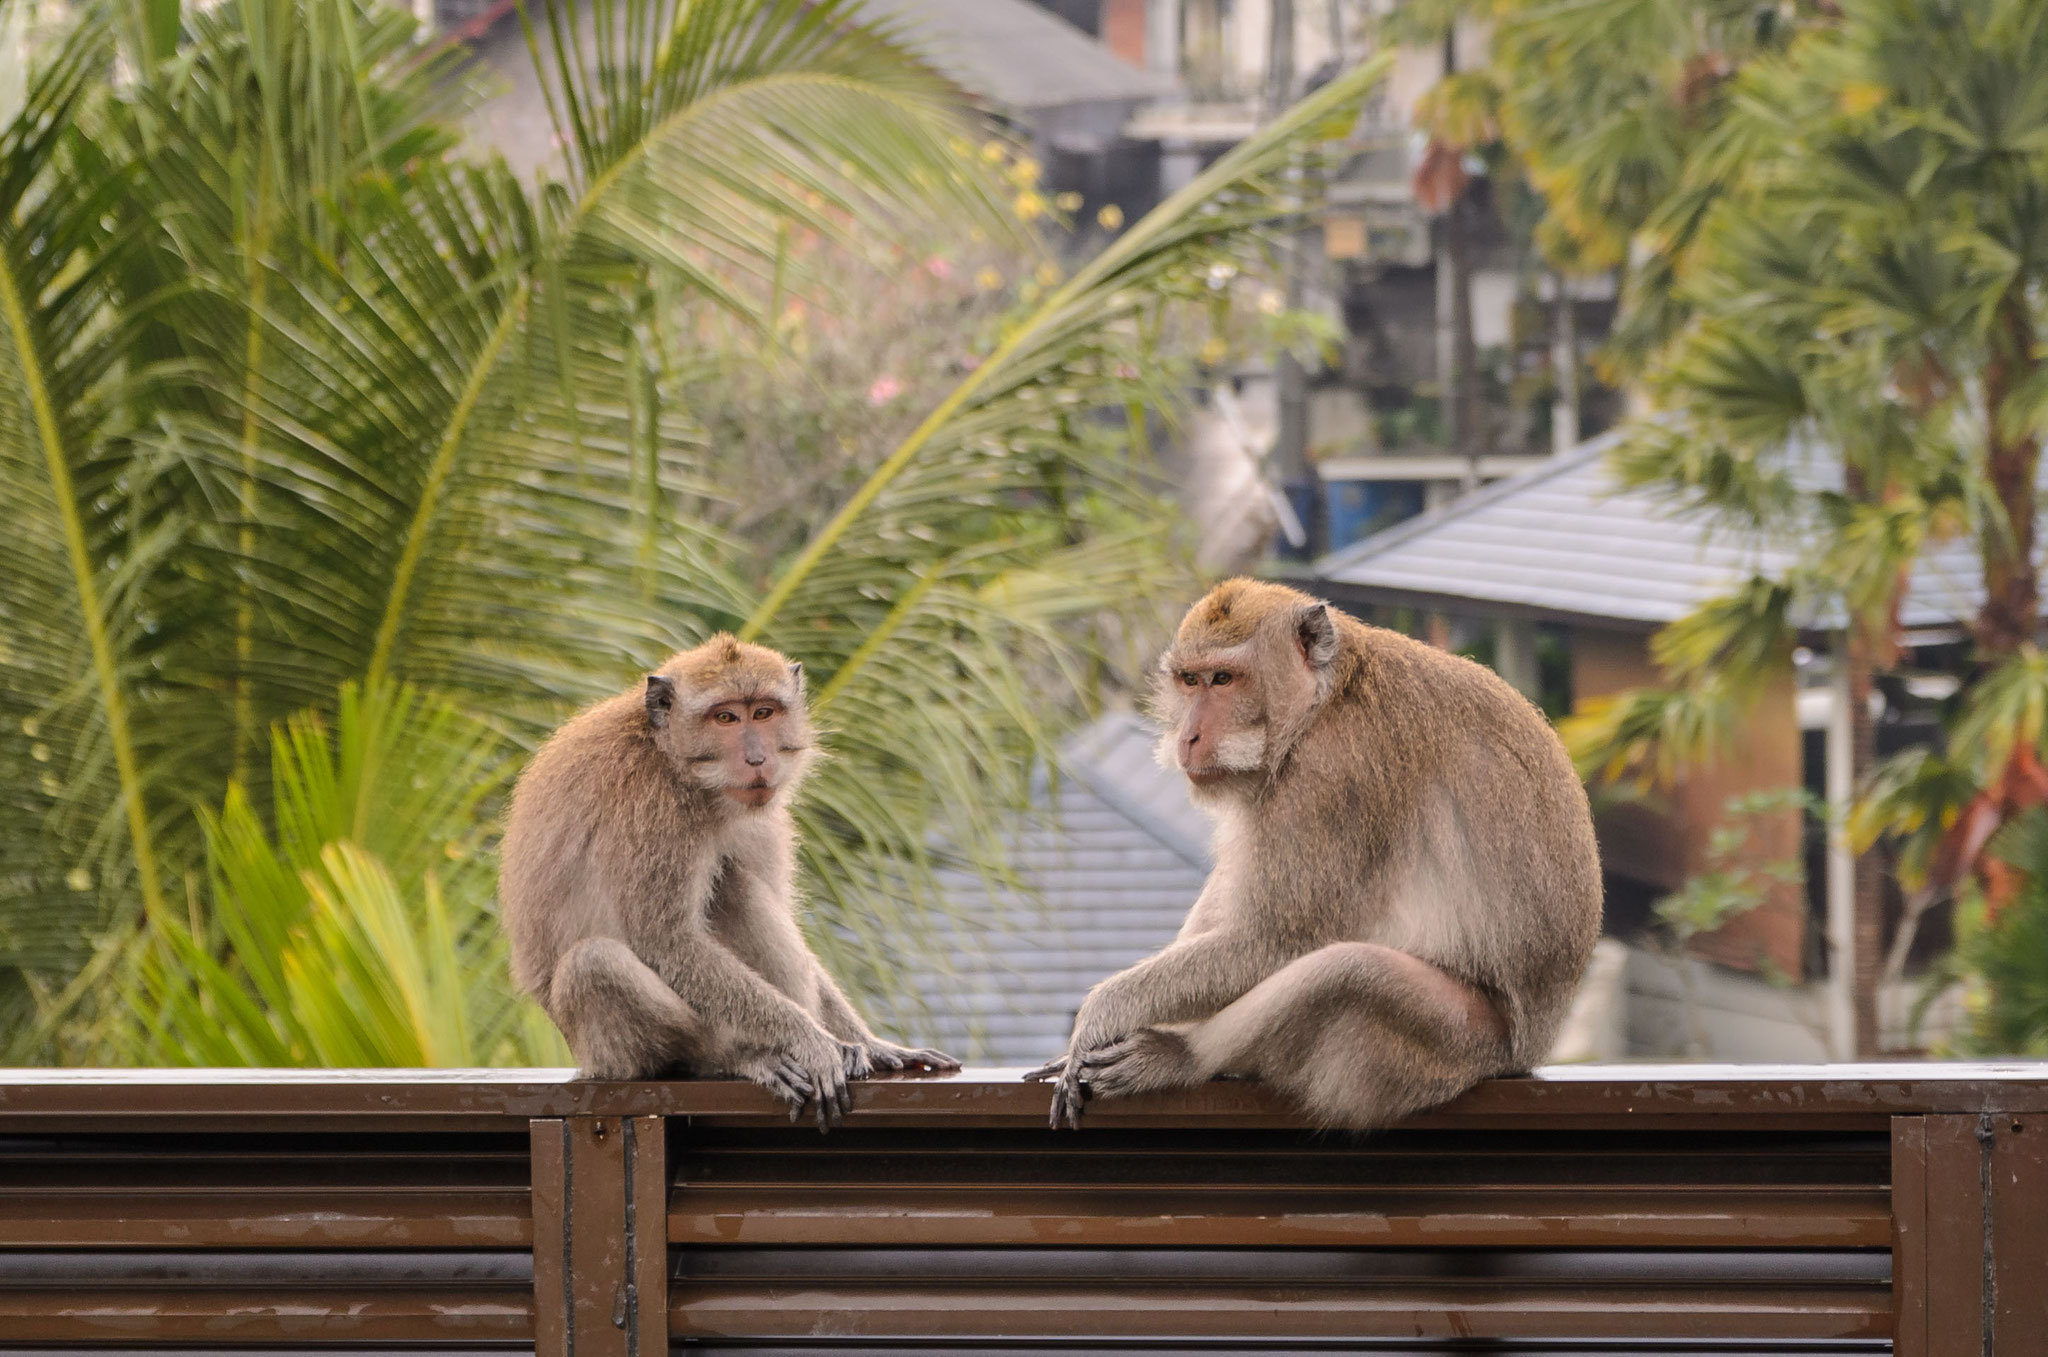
938,268
884,390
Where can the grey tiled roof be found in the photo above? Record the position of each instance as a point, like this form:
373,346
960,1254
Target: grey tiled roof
1116,857
1015,54
1565,538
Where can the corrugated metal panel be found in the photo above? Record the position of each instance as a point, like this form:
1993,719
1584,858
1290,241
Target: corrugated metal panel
1116,857
1016,54
1566,539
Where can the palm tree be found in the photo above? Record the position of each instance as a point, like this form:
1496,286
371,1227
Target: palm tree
1867,278
298,397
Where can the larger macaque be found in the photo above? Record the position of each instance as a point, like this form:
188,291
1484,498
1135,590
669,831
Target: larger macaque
1406,885
648,887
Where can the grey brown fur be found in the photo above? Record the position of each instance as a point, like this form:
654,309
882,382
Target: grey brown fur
648,887
1406,886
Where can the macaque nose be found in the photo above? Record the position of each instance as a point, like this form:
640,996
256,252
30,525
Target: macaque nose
1188,740
756,757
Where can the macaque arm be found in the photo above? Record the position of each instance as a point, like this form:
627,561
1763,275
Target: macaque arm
837,1012
751,1014
1191,979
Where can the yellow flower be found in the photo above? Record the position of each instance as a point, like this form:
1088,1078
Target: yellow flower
79,879
961,146
1111,216
1030,205
1025,171
1214,350
1861,96
992,151
1048,273
1069,202
988,280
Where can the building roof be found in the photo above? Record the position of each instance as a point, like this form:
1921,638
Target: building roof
1110,865
1014,54
1567,541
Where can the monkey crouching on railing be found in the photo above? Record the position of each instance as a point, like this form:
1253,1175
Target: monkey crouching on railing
647,885
1406,886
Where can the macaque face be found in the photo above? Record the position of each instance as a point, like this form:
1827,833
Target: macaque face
1219,715
744,747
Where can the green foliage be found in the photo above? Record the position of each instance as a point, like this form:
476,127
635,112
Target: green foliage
2001,955
1733,883
293,395
360,931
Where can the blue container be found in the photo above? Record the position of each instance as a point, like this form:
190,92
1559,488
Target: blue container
1359,509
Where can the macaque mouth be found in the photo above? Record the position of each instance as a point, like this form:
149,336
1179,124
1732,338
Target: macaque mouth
756,793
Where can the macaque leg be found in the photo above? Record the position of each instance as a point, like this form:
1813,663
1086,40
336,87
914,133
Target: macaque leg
621,1020
1361,1035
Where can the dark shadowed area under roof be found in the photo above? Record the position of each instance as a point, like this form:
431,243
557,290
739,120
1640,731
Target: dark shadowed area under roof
1566,541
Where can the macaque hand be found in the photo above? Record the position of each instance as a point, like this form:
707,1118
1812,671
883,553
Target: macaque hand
886,1057
805,1080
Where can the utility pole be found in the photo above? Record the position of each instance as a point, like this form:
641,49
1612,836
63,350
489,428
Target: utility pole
1457,352
1290,442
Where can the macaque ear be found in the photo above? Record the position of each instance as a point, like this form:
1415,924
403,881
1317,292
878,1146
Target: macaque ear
1316,630
796,674
661,699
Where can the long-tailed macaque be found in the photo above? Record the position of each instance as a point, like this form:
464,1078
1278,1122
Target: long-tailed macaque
1406,885
647,885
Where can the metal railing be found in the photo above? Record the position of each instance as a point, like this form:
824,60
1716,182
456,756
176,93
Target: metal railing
1610,1209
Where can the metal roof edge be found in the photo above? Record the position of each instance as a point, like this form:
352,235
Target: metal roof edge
1106,789
1345,557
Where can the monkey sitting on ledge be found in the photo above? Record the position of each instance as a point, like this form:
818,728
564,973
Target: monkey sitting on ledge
1406,885
648,888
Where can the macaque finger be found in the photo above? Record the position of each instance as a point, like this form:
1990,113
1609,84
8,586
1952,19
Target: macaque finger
1049,1069
936,1060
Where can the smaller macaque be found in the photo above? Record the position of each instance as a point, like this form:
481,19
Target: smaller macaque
648,886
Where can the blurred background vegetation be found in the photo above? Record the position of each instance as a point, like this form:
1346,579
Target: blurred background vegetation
338,464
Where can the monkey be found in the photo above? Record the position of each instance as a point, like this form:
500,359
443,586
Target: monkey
647,887
1406,885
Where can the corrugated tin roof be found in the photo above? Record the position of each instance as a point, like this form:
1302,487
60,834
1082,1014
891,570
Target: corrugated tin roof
1115,858
1015,54
1567,539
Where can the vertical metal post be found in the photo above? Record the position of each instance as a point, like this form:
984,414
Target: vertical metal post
1970,1236
1841,872
600,1237
1514,656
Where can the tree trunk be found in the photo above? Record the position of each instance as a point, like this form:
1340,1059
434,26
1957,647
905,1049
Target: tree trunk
2012,599
1465,428
1868,647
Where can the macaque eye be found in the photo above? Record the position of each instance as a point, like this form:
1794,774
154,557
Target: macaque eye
763,713
1222,677
1189,678
725,718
